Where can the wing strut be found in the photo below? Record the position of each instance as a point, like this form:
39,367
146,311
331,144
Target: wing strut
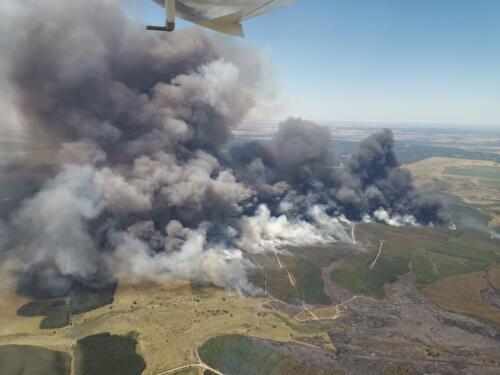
170,18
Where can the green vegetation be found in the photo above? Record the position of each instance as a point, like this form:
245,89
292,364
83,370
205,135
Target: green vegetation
463,294
432,254
242,355
492,173
272,277
57,318
304,265
310,285
57,312
32,360
489,177
83,299
108,354
491,184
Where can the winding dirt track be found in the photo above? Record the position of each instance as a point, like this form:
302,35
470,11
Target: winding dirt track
378,255
201,365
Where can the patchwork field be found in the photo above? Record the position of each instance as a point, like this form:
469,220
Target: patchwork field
488,177
475,182
31,360
166,338
242,355
430,253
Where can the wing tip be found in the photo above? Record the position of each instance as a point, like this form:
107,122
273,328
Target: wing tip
229,28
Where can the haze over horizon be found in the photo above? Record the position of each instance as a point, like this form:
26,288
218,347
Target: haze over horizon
384,61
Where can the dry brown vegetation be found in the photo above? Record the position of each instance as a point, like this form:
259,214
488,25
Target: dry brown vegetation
494,276
462,294
495,223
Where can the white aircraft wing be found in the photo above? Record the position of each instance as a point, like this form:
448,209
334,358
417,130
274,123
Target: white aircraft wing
224,15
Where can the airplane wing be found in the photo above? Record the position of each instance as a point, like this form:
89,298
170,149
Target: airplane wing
224,15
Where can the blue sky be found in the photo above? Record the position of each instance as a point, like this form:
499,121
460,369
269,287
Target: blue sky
425,61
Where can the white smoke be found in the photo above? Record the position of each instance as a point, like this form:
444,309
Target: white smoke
192,258
396,220
52,227
263,233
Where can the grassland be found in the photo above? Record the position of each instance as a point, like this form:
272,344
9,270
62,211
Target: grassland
393,369
191,371
32,360
488,177
237,354
84,299
472,206
462,294
494,276
173,319
491,184
168,338
58,318
304,265
431,253
492,173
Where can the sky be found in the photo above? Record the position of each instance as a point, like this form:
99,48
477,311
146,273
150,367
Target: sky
399,61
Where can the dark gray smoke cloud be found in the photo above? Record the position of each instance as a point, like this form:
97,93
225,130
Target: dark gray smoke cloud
145,192
370,181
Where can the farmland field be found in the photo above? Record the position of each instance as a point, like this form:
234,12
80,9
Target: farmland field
245,356
432,254
462,294
108,354
481,172
32,360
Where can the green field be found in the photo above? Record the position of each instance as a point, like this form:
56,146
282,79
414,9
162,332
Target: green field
241,355
492,173
489,177
108,354
491,184
32,360
305,264
83,299
432,254
57,318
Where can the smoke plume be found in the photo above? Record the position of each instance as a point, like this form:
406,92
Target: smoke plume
146,191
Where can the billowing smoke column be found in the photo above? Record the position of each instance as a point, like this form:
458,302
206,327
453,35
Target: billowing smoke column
145,192
293,172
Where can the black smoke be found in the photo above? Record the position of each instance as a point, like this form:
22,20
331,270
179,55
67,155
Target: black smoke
300,154
146,192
